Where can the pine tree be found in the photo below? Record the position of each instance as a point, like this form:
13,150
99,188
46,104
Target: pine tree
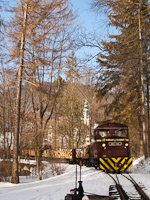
125,61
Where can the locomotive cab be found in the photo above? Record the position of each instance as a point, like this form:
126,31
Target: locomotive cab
111,152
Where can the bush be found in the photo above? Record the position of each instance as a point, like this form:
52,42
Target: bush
57,169
5,171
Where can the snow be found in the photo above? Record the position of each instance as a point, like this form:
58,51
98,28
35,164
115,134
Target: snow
58,186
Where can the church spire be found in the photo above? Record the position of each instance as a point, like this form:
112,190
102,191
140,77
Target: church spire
86,113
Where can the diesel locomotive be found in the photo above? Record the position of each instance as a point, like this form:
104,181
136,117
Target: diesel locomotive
110,152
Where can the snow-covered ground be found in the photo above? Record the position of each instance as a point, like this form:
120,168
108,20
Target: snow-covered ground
56,187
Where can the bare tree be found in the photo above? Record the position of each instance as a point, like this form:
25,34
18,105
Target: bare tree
41,38
15,175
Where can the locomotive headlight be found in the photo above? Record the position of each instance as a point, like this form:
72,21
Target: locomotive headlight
103,145
126,144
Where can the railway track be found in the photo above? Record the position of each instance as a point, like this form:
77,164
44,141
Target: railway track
119,192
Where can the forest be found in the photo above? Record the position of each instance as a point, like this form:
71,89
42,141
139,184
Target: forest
44,85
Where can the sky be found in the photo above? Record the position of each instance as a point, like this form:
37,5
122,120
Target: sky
87,17
91,19
92,22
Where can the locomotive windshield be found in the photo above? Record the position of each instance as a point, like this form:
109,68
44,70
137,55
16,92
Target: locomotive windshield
121,133
104,133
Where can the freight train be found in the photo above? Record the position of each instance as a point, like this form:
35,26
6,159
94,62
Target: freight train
110,152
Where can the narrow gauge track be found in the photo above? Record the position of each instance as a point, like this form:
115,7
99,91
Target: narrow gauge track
118,191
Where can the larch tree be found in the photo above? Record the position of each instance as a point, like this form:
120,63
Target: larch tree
52,46
41,35
21,35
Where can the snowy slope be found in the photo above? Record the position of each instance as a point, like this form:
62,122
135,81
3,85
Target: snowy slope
56,188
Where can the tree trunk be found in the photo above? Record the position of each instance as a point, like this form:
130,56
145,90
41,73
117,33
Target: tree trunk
148,113
142,91
15,175
39,163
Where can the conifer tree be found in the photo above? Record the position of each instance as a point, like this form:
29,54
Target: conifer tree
71,109
124,63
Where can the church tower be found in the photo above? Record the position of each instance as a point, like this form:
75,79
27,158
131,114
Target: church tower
86,113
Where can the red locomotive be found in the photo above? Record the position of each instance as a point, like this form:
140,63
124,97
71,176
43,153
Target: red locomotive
110,151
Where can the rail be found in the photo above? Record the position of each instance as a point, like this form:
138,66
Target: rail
138,188
123,194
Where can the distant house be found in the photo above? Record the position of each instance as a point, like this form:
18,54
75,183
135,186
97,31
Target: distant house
9,138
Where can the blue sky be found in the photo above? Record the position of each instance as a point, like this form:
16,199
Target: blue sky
85,14
90,19
91,22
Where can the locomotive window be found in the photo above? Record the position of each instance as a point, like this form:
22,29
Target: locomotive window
121,133
104,133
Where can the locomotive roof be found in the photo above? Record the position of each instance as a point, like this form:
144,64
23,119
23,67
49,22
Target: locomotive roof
111,125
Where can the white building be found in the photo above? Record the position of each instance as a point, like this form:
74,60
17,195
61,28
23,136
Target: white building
9,138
